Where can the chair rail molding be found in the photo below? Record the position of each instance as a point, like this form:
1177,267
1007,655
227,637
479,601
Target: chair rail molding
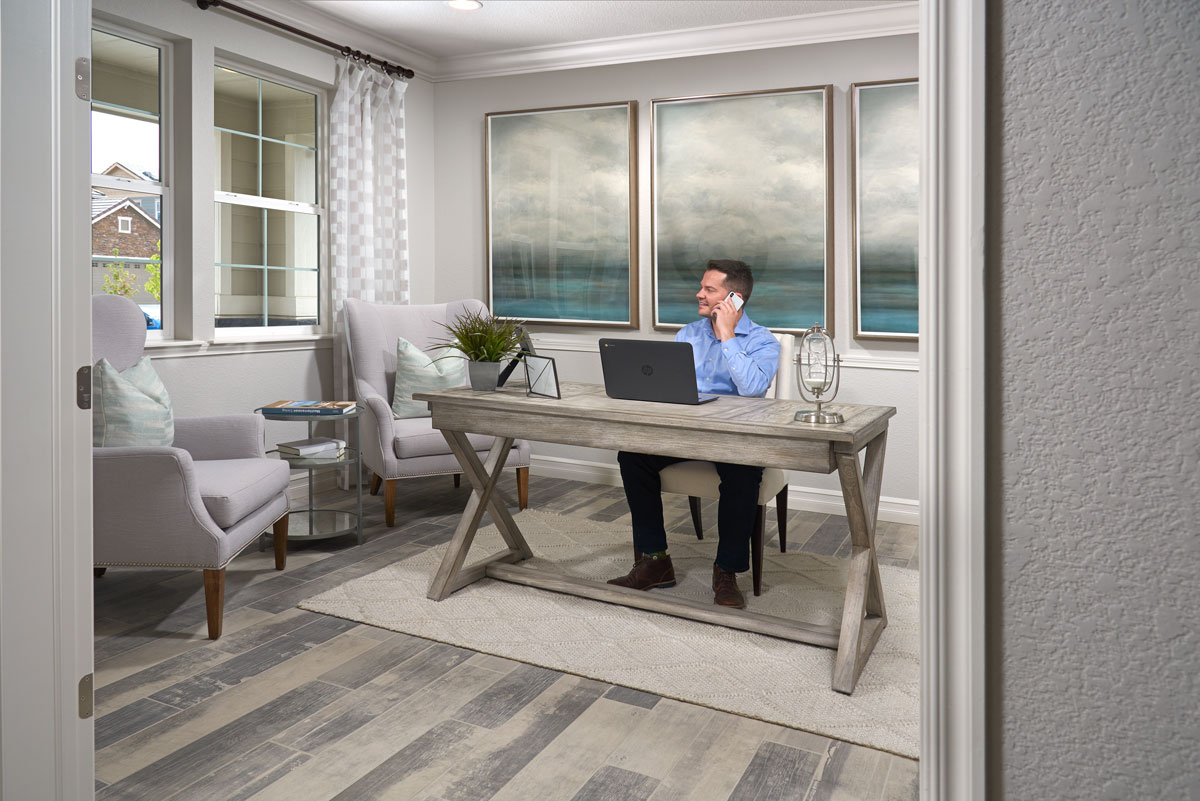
951,400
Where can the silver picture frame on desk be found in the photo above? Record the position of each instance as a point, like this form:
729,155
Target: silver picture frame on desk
541,376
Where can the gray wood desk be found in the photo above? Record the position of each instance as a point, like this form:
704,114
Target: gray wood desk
756,431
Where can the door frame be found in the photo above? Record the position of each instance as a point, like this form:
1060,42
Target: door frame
46,478
951,401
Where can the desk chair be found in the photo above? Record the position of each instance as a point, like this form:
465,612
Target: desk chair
195,503
700,480
393,448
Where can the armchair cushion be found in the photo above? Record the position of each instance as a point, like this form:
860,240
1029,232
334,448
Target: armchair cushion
130,407
416,437
233,488
416,371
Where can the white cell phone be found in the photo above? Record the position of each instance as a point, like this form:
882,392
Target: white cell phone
734,300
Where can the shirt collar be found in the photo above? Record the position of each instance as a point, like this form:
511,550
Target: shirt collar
740,330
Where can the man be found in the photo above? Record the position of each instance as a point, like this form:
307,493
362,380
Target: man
734,356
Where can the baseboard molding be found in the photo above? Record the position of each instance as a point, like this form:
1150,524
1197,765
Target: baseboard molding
811,499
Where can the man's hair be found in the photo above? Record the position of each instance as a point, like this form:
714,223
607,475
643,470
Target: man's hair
738,277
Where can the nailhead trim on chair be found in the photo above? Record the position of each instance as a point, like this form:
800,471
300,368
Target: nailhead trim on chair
199,567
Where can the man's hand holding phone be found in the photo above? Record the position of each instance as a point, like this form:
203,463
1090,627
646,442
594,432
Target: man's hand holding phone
726,315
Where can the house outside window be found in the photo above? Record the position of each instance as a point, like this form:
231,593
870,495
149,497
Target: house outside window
127,172
268,212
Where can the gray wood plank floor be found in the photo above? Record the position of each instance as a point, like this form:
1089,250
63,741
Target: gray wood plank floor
293,706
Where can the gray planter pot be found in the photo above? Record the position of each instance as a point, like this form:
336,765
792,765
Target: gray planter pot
484,375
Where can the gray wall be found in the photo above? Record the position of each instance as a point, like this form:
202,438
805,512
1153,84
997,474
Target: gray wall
460,249
1094,315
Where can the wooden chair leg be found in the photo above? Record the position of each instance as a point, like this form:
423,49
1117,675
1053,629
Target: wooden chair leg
523,487
389,501
694,505
756,549
457,480
280,534
214,600
781,518
98,571
376,480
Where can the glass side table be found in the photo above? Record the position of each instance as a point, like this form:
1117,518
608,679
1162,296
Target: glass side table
318,524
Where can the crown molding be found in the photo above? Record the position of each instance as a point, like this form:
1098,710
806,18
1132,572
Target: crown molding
889,20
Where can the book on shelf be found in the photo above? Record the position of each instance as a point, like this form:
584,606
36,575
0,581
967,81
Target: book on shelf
302,407
312,447
329,454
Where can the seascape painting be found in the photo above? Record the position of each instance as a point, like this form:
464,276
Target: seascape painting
561,215
886,182
745,176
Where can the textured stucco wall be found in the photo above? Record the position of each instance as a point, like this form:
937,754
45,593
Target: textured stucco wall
1094,402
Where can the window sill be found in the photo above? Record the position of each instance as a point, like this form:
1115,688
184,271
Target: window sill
183,348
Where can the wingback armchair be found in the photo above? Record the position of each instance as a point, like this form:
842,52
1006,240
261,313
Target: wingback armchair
196,503
393,448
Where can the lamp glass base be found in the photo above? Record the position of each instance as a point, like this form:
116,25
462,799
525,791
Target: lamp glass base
821,417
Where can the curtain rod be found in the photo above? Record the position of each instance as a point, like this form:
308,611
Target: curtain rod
343,49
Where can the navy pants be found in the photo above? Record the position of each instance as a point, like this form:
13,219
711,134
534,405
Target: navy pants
735,511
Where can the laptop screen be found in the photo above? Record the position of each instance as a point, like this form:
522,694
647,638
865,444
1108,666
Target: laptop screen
650,370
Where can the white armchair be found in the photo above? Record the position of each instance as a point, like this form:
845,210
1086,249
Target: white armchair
196,503
392,448
700,480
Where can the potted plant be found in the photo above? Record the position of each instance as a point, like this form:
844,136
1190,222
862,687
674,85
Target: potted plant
485,342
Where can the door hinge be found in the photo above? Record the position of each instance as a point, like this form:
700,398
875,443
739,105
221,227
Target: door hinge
83,387
83,78
85,697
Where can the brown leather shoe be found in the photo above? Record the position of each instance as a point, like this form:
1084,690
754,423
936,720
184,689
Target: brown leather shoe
725,589
648,573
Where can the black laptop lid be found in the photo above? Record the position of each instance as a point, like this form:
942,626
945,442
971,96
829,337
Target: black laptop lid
650,370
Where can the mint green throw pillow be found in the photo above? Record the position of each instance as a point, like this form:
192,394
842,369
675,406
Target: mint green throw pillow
416,372
130,407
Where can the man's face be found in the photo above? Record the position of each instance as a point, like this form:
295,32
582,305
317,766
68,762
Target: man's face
712,291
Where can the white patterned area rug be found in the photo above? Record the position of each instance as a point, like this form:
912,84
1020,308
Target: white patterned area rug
754,675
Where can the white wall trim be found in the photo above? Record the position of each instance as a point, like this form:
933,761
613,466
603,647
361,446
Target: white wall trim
812,499
951,403
835,26
850,361
183,349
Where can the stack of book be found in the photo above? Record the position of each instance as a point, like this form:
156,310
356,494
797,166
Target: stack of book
315,448
301,408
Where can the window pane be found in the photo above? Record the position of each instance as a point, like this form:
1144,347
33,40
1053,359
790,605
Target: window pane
235,101
128,263
239,296
291,239
289,173
125,108
239,234
289,115
236,163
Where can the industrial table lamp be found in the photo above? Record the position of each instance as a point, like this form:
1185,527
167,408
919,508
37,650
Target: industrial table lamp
819,373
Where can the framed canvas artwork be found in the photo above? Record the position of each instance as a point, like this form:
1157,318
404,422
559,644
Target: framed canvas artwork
884,170
745,176
562,214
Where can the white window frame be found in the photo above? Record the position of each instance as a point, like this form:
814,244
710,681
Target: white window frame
320,209
163,187
124,225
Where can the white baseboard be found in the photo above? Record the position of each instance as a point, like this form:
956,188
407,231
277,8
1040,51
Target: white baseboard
811,499
297,490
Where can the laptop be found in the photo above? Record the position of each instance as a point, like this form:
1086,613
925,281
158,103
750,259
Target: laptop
650,370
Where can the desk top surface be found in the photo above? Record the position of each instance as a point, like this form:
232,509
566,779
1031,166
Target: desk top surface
759,416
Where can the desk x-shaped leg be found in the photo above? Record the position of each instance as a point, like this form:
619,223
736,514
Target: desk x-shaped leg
451,574
863,616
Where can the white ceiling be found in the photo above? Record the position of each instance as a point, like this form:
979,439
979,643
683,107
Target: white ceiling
432,28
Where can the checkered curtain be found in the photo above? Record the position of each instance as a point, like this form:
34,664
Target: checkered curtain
368,199
368,214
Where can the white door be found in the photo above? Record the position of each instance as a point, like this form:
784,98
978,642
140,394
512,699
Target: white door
45,333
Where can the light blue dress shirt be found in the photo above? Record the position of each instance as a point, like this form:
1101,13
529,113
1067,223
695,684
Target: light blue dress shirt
744,365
